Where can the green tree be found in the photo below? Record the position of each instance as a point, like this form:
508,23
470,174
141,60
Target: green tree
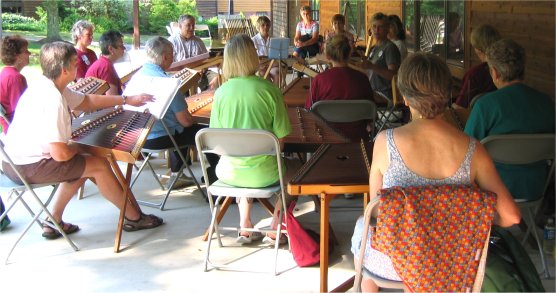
52,20
188,7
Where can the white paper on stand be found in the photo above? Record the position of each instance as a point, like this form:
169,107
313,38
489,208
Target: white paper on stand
162,88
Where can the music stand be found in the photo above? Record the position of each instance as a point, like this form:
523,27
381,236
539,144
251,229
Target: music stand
278,50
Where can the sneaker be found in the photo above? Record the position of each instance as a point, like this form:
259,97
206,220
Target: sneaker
182,182
253,236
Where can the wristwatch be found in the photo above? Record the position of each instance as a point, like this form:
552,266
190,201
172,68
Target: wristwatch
125,99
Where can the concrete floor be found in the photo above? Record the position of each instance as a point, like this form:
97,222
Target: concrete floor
168,258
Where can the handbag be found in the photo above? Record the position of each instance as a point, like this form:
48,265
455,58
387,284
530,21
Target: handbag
305,249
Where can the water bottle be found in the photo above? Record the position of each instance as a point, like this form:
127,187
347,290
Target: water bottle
548,241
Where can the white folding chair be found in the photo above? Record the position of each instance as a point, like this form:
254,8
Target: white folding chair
204,28
523,149
11,188
238,143
346,111
371,216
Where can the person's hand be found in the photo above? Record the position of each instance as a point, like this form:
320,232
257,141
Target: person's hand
139,100
297,44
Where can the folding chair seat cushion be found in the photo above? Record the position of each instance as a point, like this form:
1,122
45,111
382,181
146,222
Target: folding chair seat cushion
222,189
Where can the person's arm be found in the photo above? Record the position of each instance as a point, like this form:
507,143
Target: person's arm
379,164
113,90
296,40
476,125
487,178
385,72
61,151
94,102
184,118
314,37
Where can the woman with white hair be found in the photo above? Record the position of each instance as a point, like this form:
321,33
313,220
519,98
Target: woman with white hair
82,33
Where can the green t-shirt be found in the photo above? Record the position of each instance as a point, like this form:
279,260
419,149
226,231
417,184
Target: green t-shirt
249,103
515,109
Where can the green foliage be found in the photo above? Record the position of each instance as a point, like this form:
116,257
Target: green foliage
213,25
155,15
17,22
188,7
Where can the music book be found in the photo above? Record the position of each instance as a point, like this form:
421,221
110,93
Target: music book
184,62
278,48
162,88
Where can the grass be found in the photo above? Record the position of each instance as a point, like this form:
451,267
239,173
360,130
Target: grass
35,43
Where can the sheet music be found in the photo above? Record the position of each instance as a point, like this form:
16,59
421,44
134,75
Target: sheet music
278,48
190,60
162,88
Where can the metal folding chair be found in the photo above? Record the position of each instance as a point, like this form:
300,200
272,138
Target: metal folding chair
346,111
16,190
238,143
523,149
387,114
146,163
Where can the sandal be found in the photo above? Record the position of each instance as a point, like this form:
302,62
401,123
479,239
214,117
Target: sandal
144,222
246,239
270,239
52,233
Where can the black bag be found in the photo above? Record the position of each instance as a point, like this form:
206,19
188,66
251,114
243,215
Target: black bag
508,267
6,221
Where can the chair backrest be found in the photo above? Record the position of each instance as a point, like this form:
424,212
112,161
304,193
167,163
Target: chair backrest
234,142
345,110
205,29
517,149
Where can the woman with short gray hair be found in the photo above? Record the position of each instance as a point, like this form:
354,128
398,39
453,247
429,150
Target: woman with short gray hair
82,34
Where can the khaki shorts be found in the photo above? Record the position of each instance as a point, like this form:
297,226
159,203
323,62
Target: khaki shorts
48,171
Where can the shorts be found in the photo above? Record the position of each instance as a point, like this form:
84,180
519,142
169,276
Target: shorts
48,170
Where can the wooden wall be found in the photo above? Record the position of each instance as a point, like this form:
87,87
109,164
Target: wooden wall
386,7
244,6
531,24
206,8
327,10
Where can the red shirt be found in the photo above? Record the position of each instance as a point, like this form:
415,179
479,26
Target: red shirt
84,61
12,85
476,81
104,69
342,83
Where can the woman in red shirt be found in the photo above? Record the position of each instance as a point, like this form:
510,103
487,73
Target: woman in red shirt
15,55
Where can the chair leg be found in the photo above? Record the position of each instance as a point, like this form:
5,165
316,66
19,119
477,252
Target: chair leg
531,223
212,226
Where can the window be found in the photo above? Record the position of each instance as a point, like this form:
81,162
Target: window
431,24
315,7
354,10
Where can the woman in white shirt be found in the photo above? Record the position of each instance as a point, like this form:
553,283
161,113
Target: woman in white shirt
262,44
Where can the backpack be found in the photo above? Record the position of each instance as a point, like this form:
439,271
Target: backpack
508,267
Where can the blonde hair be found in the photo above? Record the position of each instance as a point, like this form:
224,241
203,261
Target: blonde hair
240,57
338,48
425,80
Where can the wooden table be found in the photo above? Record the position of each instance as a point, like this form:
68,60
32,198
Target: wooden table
297,92
333,169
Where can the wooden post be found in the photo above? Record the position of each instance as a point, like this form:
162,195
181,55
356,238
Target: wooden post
136,34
